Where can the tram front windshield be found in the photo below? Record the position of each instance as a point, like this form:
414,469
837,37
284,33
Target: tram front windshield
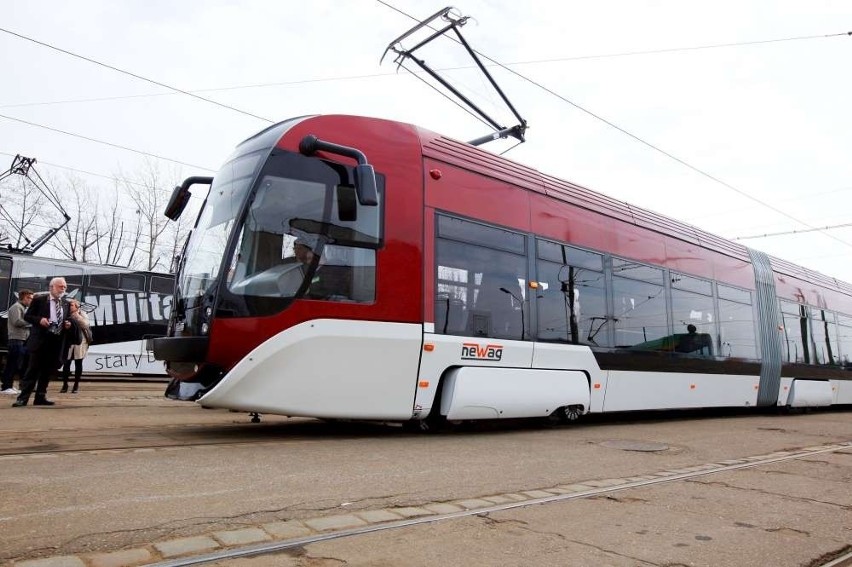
303,235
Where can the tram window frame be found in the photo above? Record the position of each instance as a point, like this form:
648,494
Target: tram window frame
734,294
473,232
132,282
464,305
104,280
824,332
643,272
6,283
795,309
844,341
552,257
728,346
156,285
691,284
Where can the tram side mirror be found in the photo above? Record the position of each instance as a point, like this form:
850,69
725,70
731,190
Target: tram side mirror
180,196
365,185
177,202
347,204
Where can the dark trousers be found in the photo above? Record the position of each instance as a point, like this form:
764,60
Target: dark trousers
43,364
78,371
16,361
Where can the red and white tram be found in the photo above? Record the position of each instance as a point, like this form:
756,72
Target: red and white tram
455,284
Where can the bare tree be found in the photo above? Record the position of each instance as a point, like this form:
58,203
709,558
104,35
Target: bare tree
23,211
118,237
75,238
149,189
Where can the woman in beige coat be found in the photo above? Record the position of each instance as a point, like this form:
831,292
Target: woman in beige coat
77,352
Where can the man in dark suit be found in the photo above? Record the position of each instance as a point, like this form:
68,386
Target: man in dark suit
48,313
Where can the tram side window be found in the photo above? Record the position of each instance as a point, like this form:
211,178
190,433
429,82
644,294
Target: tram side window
844,340
480,290
571,295
797,343
824,336
5,283
692,313
736,324
639,307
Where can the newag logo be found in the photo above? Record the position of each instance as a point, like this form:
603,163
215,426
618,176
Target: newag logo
475,351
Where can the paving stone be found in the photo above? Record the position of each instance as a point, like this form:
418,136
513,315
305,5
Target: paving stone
287,530
58,561
412,511
516,497
498,499
243,536
607,482
185,545
121,558
378,516
335,522
537,493
473,503
443,508
575,487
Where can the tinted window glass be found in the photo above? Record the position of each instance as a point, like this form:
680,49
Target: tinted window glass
734,294
104,280
468,231
569,256
640,315
5,281
571,304
636,271
688,283
694,323
795,336
825,337
133,282
736,330
162,285
480,291
844,339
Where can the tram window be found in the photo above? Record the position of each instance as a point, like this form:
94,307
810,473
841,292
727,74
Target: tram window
109,281
640,315
480,291
165,286
694,325
570,256
73,276
825,337
34,275
688,283
736,330
133,282
797,344
5,282
636,271
571,304
467,231
734,294
844,340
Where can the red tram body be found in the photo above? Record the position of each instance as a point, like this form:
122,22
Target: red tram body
595,305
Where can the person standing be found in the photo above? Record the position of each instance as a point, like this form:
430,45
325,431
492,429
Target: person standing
76,352
49,316
19,330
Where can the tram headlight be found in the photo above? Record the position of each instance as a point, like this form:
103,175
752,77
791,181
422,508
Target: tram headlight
204,328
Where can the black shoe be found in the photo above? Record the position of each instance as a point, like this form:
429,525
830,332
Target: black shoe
43,402
19,403
64,389
74,391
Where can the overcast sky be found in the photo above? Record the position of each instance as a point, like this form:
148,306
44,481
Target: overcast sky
771,119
